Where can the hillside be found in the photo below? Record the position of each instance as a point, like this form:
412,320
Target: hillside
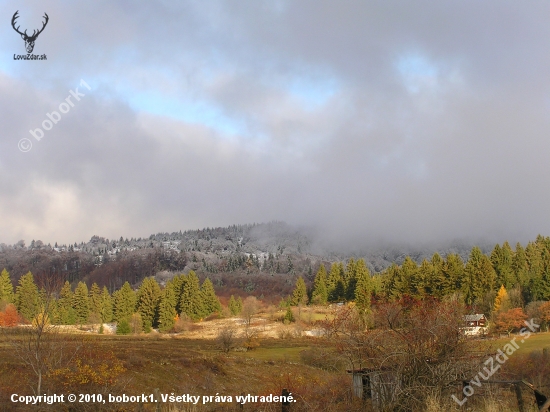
261,259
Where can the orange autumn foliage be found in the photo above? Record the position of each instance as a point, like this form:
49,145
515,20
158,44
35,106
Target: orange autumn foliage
9,317
511,320
92,367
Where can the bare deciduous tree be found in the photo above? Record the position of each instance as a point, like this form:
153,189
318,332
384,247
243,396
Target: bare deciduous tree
40,345
250,308
227,338
417,350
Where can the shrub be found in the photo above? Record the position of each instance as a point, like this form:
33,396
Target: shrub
227,338
123,327
9,317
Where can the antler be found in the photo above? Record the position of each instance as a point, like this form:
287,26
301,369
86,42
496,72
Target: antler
34,33
15,16
43,26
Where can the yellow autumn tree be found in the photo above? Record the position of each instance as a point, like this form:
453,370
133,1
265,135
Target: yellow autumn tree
502,302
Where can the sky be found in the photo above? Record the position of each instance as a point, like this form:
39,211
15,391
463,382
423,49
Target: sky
373,121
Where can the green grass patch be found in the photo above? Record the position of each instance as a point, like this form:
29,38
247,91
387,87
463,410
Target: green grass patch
537,341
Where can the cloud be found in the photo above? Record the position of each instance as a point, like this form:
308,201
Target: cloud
424,122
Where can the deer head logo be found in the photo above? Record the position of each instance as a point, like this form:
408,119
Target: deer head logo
29,40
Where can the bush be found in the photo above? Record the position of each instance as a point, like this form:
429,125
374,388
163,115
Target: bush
227,338
123,327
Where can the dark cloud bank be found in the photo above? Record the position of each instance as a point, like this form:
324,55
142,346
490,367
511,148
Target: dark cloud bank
371,121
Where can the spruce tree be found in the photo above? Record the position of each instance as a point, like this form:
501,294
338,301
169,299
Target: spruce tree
299,295
167,308
453,274
123,327
179,283
239,305
6,289
106,312
210,300
95,299
289,316
350,279
148,299
320,293
501,259
363,289
124,303
233,306
65,311
191,301
410,282
390,282
27,298
335,283
426,276
81,303
436,284
520,267
479,276
545,275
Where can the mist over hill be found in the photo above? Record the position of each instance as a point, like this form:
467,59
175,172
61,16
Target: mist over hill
261,259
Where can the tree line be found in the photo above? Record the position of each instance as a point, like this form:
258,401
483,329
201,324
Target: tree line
524,273
156,307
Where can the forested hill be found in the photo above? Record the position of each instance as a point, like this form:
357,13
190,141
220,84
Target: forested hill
253,258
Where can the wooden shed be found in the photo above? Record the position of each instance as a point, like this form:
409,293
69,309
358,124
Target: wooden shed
377,385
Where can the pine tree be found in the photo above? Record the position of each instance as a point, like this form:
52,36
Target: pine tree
453,274
106,312
363,289
147,302
27,298
167,308
6,289
81,304
320,292
210,300
124,302
239,305
191,301
299,295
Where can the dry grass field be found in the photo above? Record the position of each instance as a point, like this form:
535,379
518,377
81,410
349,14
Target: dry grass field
191,362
